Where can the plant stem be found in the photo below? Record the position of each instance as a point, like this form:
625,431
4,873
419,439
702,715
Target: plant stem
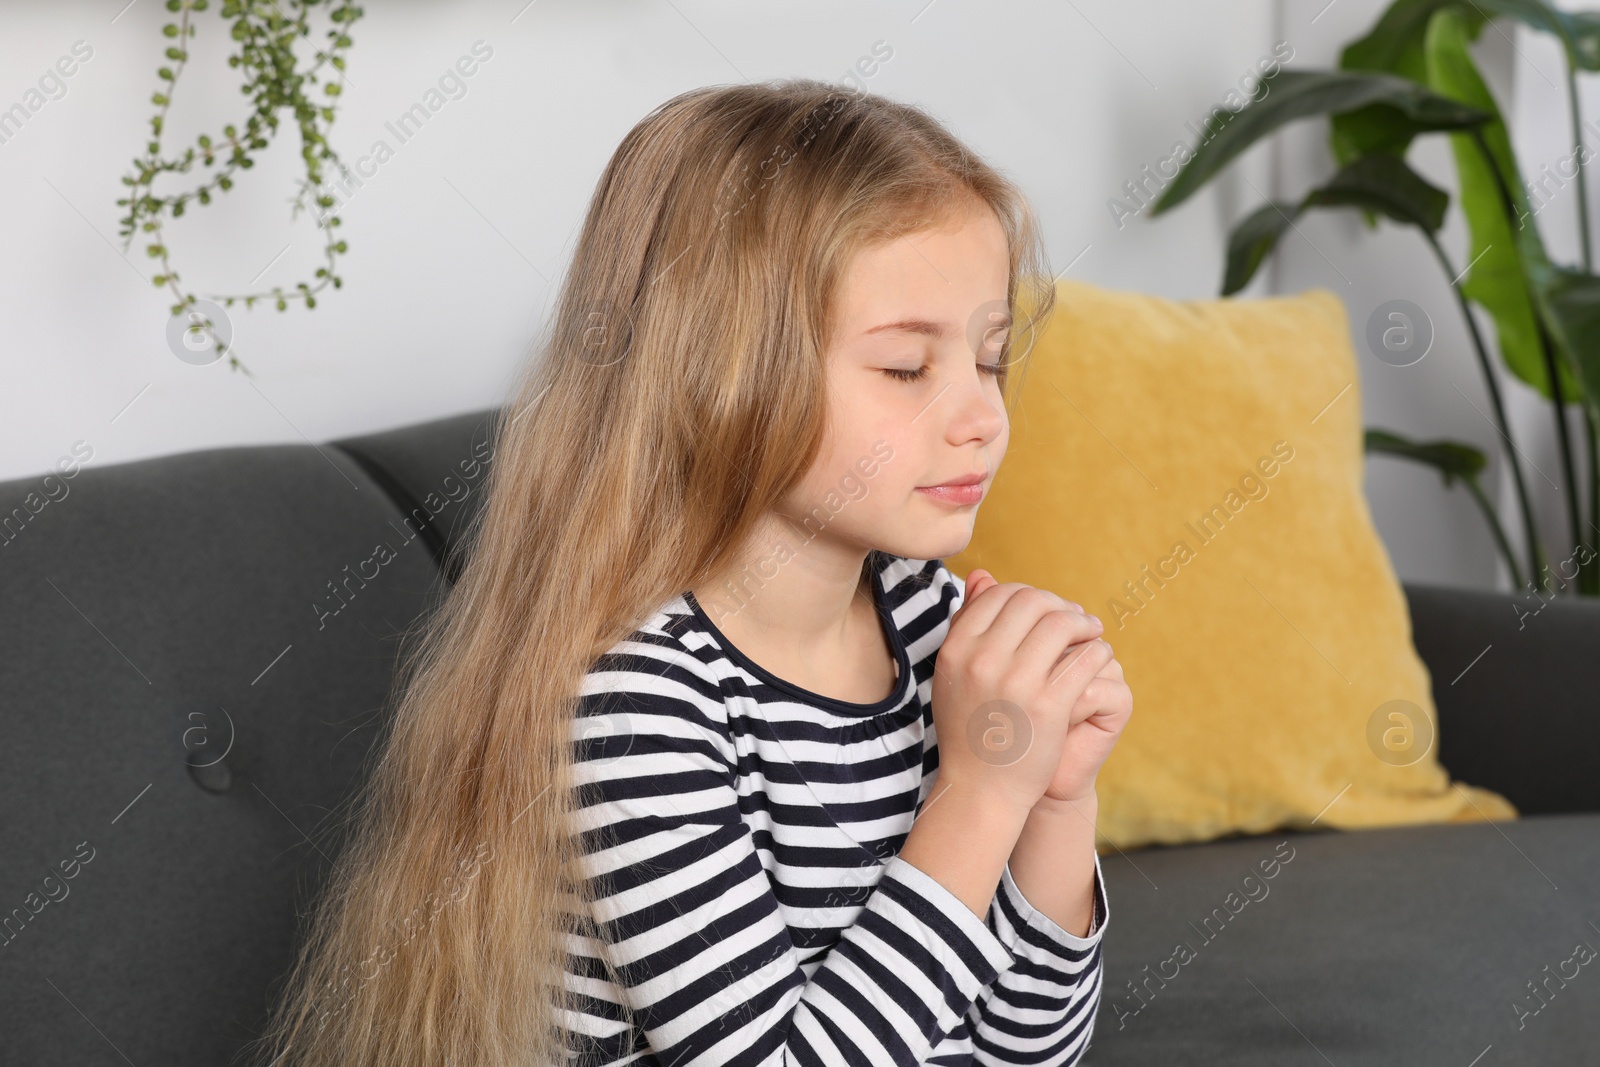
1577,144
1529,530
1558,399
1589,576
1546,344
1495,528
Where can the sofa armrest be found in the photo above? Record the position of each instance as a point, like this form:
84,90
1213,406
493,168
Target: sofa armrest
1516,681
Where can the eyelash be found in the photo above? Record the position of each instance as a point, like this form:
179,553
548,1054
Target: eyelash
992,369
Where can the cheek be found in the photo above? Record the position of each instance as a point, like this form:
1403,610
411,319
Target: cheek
859,421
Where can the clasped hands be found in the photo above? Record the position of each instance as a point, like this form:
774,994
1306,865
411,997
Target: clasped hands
1033,650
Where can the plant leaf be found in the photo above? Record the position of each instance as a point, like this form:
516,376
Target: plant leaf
1396,45
1250,242
1378,183
1579,31
1450,458
1505,253
1393,46
1383,183
1571,302
1584,28
1302,94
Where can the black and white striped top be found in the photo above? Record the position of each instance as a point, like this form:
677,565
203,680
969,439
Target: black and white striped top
746,833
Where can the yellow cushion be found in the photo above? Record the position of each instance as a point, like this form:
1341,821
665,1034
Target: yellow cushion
1191,472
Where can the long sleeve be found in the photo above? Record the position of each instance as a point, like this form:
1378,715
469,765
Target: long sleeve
1042,1009
687,917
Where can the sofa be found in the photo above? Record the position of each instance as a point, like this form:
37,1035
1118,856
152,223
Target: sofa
199,658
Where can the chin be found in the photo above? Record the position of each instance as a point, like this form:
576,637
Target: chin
933,540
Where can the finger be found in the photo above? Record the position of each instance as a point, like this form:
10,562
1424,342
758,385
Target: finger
1098,697
1052,637
1108,703
1112,669
978,612
1081,664
1017,618
978,581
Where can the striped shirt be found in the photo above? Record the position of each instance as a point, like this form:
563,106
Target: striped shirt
745,836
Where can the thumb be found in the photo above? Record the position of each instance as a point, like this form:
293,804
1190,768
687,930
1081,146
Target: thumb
978,580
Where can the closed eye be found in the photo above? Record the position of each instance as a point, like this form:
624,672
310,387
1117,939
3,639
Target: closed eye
994,370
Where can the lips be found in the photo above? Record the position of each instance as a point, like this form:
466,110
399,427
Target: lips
957,492
965,479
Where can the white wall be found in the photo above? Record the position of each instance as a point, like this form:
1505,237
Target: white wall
457,242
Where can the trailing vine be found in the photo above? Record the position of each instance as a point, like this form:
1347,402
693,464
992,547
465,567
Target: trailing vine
266,37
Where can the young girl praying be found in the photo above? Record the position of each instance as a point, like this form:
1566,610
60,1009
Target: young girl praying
741,772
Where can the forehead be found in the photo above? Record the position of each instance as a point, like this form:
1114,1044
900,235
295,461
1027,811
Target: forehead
926,280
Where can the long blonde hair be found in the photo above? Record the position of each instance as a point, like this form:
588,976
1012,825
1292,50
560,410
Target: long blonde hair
679,393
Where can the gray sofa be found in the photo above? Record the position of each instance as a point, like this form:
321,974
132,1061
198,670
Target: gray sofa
198,655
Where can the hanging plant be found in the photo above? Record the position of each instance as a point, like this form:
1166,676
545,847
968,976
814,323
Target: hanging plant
267,34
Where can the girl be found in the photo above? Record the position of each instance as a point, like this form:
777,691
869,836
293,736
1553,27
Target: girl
707,759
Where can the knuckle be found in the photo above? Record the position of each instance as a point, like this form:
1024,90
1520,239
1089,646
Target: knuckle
983,665
1059,622
1027,596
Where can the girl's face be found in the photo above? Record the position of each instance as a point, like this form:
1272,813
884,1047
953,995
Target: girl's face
913,403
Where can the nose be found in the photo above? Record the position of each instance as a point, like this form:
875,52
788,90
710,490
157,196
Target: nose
974,415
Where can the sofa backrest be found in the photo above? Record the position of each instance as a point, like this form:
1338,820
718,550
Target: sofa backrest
199,652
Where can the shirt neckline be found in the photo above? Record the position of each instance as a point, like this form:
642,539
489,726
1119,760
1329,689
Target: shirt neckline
891,633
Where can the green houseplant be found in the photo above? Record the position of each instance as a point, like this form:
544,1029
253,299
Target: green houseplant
1414,74
267,34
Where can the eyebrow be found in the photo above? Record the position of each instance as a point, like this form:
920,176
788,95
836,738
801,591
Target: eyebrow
936,330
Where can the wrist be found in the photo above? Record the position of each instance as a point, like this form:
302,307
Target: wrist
994,808
1086,804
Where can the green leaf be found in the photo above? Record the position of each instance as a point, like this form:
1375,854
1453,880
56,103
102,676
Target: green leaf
1368,130
1584,27
1578,31
1453,461
1450,458
1571,302
1384,184
1250,242
1395,42
1378,183
1302,94
1505,251
1396,45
